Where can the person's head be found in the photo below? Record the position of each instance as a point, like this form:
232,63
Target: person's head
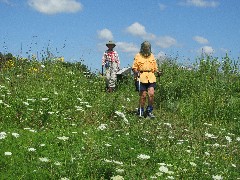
145,49
110,44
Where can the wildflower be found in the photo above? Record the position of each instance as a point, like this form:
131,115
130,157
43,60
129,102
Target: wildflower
216,145
207,124
16,135
3,135
57,163
122,115
206,163
102,126
32,130
26,103
88,106
64,138
117,162
44,159
79,108
64,178
207,153
7,153
228,138
193,164
42,145
1,101
238,139
31,149
118,177
42,66
143,156
108,161
108,145
45,99
168,124
217,177
162,164
31,100
163,169
119,170
170,177
210,135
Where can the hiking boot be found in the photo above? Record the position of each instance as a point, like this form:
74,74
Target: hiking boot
149,112
151,115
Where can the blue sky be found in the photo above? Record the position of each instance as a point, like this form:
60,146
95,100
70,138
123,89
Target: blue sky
79,29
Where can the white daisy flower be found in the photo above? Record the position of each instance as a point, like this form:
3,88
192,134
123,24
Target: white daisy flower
44,159
64,138
143,156
3,135
217,177
31,149
163,169
7,153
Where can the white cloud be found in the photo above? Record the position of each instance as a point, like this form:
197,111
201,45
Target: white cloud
127,47
137,29
200,3
105,34
162,6
200,40
206,50
166,41
55,6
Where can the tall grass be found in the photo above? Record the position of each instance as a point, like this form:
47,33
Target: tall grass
57,122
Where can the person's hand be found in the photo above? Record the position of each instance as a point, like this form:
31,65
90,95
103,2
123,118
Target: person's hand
159,73
136,74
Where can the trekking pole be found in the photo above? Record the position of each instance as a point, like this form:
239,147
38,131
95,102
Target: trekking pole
139,90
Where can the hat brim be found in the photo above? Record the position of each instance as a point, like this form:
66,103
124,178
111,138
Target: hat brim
111,45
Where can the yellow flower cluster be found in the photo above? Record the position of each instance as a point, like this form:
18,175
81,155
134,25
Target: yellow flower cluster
9,64
61,59
33,70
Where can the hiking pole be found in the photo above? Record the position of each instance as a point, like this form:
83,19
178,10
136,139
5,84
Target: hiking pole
139,90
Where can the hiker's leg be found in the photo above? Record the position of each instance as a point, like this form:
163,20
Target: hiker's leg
150,96
107,78
113,77
142,100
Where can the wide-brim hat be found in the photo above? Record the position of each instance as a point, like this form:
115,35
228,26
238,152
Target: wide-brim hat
110,43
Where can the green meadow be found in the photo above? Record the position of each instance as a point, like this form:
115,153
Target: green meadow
57,122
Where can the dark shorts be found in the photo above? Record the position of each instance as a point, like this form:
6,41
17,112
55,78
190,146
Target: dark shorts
144,86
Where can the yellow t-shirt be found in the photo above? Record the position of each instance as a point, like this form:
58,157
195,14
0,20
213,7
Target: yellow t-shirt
147,66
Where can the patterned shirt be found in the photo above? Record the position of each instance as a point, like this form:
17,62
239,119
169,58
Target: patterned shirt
110,56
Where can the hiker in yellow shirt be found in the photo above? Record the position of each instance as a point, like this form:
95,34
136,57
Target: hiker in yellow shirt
144,67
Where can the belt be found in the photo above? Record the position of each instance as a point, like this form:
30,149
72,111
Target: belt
145,71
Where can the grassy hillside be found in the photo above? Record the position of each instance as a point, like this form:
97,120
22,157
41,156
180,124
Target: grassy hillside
57,122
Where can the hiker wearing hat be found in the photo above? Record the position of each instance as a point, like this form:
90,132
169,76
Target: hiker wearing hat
144,67
111,63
